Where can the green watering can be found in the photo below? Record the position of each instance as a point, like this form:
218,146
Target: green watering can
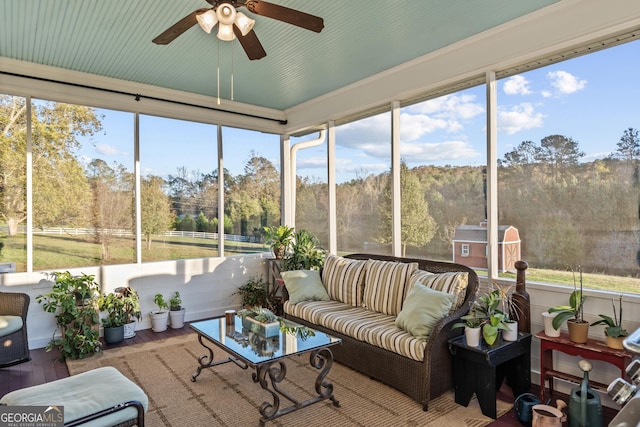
585,409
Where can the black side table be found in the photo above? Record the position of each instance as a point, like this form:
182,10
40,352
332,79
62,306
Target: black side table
481,370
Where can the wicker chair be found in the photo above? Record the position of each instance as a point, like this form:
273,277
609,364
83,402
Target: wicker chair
14,345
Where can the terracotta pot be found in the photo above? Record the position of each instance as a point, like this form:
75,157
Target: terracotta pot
578,331
615,342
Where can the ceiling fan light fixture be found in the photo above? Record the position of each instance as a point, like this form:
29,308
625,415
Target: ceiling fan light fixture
225,32
226,14
207,20
244,23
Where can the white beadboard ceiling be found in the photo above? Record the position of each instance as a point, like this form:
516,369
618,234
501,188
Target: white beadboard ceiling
112,38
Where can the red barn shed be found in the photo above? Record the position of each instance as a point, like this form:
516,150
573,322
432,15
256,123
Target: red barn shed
470,246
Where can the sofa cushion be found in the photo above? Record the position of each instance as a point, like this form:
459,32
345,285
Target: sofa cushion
9,324
312,311
384,285
344,278
454,283
382,332
304,285
422,309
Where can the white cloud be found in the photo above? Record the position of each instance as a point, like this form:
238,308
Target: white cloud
420,152
449,107
516,85
520,117
108,150
565,83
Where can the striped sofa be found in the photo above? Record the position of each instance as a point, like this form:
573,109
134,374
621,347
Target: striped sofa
371,306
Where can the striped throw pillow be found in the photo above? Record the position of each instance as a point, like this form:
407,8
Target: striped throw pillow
344,279
454,283
384,285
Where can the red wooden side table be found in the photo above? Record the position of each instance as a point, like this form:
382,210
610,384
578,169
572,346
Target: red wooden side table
592,350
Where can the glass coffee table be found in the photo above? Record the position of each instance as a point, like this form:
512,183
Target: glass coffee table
267,356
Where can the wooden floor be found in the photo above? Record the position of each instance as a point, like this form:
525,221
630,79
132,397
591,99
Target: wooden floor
45,366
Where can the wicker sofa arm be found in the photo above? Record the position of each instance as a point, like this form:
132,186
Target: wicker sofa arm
14,304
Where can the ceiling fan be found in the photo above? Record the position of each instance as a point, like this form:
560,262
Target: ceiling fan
233,23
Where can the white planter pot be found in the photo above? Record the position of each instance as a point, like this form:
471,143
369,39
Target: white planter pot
472,336
130,330
510,334
159,321
176,318
547,318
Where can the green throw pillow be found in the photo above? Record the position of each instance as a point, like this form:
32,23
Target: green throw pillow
304,285
422,308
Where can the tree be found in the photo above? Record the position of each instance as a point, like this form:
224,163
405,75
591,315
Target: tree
525,153
112,209
559,152
629,146
156,208
417,226
60,189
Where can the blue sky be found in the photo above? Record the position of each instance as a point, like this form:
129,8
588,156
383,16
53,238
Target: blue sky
591,99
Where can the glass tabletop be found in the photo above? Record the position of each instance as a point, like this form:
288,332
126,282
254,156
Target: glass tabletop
257,349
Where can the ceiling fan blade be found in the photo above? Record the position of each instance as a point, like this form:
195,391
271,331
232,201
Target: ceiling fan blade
172,33
250,43
285,14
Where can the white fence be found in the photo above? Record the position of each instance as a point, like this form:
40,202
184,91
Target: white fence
122,233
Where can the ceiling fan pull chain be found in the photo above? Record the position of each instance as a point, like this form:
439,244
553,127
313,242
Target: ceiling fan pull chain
233,44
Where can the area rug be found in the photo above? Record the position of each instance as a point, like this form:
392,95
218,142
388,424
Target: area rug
227,396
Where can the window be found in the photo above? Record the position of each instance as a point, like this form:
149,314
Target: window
443,172
179,189
252,188
82,186
569,152
13,181
464,249
363,157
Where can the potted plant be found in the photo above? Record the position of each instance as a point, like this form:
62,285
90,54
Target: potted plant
116,317
254,293
493,320
279,237
261,321
304,253
132,309
159,317
176,311
471,323
73,300
510,312
573,313
614,332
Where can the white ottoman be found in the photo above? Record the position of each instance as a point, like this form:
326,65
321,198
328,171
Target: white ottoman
100,397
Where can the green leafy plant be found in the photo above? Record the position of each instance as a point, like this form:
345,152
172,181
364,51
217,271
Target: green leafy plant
304,253
576,304
614,327
73,299
254,293
493,318
114,305
131,302
175,302
158,300
279,237
470,320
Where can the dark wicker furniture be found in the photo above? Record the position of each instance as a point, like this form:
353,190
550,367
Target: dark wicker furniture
14,347
422,381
